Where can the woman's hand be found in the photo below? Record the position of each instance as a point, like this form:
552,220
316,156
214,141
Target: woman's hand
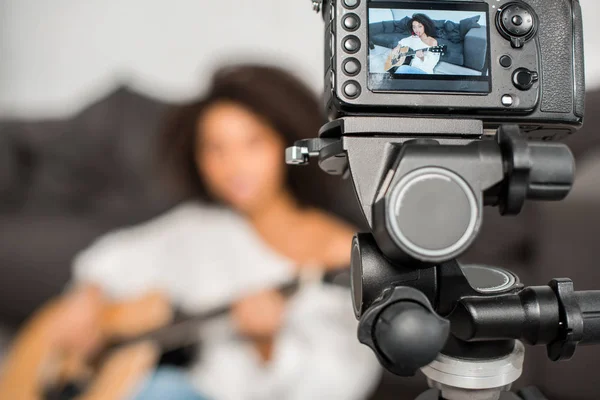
55,341
421,54
84,319
123,371
138,316
75,323
260,315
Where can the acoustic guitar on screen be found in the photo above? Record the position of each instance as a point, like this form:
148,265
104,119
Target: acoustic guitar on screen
405,55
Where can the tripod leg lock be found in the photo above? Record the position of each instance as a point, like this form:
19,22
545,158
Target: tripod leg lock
571,321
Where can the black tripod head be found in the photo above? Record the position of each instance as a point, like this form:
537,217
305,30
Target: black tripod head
423,199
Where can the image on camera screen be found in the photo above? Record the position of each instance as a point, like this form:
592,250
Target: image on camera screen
429,48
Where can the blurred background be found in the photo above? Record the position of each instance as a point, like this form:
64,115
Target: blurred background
84,89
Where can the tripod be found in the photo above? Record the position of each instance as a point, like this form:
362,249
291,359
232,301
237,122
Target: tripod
463,326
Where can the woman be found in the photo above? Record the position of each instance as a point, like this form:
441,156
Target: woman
252,226
423,36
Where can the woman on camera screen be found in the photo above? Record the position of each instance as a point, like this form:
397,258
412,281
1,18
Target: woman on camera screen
251,226
423,36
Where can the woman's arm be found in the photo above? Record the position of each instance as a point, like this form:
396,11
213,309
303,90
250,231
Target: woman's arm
430,60
123,372
135,317
36,356
70,329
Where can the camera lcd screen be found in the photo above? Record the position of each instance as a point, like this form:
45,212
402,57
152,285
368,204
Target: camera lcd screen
429,47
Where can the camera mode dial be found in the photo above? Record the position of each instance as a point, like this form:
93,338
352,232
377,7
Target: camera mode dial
516,22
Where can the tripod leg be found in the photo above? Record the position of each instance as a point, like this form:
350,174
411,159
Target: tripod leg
531,393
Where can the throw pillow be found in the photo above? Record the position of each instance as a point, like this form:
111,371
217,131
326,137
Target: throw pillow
467,24
402,26
452,31
439,29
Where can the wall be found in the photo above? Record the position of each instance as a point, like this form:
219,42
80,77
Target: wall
56,55
381,14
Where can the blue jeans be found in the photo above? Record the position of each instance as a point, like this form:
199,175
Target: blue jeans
409,69
168,383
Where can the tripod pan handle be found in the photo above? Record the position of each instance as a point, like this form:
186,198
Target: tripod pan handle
589,304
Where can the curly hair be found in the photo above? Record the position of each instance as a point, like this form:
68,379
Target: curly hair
426,22
274,95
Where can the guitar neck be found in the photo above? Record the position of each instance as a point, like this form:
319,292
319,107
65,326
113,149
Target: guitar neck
184,330
414,52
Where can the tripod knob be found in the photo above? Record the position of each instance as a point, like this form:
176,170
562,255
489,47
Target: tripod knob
403,330
534,170
410,335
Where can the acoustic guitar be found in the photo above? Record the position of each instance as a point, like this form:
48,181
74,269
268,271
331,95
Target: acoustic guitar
104,374
181,333
404,56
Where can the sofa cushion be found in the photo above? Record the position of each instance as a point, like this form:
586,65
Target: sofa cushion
454,52
9,169
389,40
388,26
102,160
468,23
85,175
376,28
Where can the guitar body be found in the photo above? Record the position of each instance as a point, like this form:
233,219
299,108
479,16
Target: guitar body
398,57
404,56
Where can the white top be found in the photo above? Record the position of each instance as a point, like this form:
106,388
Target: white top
204,257
431,59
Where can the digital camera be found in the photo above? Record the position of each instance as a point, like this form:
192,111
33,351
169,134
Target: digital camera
496,61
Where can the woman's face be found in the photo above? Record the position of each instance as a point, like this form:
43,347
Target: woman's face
239,156
418,28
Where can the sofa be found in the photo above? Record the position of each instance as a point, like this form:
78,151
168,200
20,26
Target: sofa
465,41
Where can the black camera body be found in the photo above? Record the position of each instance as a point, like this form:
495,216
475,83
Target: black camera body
496,61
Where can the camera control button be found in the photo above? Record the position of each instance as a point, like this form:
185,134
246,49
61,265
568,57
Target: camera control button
351,3
332,79
351,44
351,22
507,100
351,66
523,79
516,22
352,89
505,61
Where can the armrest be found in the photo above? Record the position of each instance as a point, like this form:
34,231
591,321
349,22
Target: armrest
475,48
